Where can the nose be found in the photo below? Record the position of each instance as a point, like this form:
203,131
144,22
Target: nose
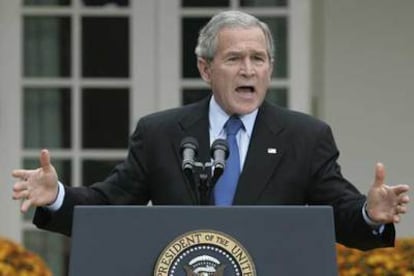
247,68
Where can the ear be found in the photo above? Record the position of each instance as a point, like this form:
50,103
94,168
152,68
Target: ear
204,69
271,68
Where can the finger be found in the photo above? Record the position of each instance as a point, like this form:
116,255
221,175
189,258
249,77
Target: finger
379,175
400,189
22,174
19,186
403,199
45,160
396,218
20,195
402,209
26,205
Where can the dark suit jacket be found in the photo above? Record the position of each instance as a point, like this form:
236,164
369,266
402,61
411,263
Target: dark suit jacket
303,171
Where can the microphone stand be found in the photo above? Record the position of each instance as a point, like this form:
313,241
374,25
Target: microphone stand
203,182
199,174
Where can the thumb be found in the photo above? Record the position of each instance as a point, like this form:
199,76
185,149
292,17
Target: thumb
45,160
379,175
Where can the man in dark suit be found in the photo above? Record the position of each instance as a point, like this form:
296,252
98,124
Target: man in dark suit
285,157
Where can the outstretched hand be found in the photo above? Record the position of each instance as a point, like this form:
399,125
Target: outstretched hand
36,187
386,204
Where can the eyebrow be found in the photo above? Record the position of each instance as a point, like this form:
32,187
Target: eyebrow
254,52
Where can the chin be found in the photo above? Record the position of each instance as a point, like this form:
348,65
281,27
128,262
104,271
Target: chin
242,110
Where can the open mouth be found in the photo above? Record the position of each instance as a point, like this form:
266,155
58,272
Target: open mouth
245,89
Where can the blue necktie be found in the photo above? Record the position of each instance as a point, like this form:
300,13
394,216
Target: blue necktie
227,183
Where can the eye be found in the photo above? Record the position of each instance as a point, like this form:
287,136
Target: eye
259,58
232,58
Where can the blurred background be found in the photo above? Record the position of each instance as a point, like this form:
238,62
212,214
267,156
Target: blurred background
76,75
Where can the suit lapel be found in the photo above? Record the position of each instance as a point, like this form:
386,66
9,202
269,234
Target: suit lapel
195,124
263,156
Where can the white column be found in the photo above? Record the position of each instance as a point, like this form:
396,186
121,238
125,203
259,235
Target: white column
10,115
169,57
299,55
143,57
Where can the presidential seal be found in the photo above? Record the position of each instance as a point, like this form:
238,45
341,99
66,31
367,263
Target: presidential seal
204,253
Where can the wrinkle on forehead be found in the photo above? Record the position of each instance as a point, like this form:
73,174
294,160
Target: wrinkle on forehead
241,40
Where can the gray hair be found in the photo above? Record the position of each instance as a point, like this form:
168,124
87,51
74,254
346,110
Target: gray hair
207,39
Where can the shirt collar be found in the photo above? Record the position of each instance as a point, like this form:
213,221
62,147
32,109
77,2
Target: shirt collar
218,117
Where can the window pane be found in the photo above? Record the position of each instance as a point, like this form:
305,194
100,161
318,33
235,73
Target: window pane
53,248
63,169
46,118
46,46
263,3
278,27
122,3
194,95
96,170
209,3
47,2
105,118
278,96
190,27
105,47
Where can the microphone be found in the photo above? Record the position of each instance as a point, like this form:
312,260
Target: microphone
219,152
189,150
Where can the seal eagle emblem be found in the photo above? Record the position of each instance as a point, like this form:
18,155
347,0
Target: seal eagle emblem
204,266
204,253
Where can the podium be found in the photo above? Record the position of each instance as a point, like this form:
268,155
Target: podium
222,241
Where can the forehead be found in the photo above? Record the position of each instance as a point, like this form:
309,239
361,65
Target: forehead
239,38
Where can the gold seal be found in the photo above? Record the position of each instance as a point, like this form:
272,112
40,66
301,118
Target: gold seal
204,252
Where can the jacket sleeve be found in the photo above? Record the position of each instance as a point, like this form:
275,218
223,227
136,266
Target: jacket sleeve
330,187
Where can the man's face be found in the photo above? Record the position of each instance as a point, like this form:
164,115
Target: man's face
240,71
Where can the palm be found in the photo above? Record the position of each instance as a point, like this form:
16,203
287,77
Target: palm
382,204
36,187
386,203
42,182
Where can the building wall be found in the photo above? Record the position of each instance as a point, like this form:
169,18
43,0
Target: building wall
363,81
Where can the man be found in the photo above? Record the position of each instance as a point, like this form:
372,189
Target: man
284,157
